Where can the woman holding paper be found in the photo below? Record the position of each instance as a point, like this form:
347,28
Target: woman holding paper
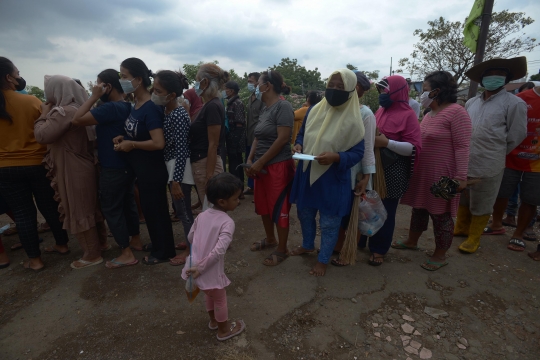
333,131
271,152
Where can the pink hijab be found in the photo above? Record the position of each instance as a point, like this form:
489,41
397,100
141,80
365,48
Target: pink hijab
399,121
194,102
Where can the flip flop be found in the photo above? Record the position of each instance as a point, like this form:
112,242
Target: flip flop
85,263
10,231
212,328
54,251
516,242
153,260
276,258
293,253
18,246
113,264
490,231
375,263
336,262
181,246
233,325
174,262
401,246
529,238
261,245
437,265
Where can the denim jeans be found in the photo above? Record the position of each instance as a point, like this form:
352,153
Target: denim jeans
513,206
182,208
330,225
118,204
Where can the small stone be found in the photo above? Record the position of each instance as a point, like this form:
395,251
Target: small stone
407,318
416,332
239,291
408,329
405,343
377,334
388,338
425,354
411,350
461,346
443,334
415,344
464,341
354,300
437,337
435,312
405,337
375,324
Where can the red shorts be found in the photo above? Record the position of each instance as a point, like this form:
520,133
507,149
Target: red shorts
272,191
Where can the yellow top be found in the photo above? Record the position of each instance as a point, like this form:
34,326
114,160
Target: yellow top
18,146
298,120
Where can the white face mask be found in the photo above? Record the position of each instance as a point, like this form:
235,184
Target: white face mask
197,88
159,100
127,86
251,87
425,100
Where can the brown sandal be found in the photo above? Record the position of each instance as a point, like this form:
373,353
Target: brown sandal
261,245
300,251
276,258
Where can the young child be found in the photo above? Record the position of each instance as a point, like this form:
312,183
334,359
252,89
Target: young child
210,236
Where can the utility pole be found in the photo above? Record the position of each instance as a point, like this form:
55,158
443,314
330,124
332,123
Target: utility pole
481,44
390,66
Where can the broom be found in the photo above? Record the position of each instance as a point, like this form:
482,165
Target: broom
347,254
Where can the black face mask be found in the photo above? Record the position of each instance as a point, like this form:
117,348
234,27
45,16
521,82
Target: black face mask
336,97
22,84
385,101
105,97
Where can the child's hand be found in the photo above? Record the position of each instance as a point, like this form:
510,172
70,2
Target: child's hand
193,272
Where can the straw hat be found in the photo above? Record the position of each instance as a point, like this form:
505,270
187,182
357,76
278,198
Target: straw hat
516,66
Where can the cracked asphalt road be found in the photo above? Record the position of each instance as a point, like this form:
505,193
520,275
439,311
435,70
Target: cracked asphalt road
491,297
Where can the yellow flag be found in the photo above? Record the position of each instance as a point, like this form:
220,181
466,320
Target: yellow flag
472,25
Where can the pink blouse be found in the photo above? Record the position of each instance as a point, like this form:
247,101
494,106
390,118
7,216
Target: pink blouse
210,236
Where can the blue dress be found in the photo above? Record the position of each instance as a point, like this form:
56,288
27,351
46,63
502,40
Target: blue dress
331,193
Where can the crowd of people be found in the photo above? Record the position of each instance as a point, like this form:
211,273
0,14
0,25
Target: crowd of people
109,159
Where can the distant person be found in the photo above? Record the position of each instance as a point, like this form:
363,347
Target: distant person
194,103
312,99
271,152
493,137
116,185
210,237
527,86
415,105
236,137
71,164
23,179
254,109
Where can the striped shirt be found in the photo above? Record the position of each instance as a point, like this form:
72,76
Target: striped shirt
445,152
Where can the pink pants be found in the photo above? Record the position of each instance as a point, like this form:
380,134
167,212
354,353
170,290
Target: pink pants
216,301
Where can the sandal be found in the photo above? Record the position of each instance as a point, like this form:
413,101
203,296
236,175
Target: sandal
401,246
338,263
300,251
263,244
18,246
85,263
10,231
231,334
113,264
53,250
150,260
520,245
177,262
432,265
372,262
529,236
26,265
490,231
276,258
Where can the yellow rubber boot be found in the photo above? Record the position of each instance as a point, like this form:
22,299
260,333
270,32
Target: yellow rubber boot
463,221
478,223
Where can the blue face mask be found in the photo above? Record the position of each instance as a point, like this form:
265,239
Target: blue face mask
385,101
224,94
493,82
258,93
197,88
251,87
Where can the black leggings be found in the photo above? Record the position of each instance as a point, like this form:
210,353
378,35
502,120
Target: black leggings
151,173
20,186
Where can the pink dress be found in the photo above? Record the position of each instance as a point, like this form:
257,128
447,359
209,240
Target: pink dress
445,152
210,236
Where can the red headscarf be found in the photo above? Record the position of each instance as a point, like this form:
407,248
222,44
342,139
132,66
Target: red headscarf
399,121
194,102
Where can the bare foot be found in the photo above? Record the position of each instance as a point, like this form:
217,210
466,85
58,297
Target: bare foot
299,250
34,264
60,249
318,270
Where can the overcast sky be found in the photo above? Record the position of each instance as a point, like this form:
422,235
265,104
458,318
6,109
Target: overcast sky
81,38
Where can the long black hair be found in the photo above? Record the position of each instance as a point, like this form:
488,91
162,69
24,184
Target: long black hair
444,81
137,68
6,68
110,76
172,81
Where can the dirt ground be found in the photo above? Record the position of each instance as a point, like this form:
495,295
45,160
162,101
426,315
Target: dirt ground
488,304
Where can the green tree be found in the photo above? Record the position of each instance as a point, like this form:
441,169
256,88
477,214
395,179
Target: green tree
372,75
298,77
535,77
371,99
37,92
351,67
441,45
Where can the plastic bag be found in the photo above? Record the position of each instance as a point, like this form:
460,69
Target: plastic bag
371,214
192,290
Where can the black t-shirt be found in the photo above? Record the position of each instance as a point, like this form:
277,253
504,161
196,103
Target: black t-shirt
212,113
111,117
143,120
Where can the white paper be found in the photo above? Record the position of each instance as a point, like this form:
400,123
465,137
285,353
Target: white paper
299,156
